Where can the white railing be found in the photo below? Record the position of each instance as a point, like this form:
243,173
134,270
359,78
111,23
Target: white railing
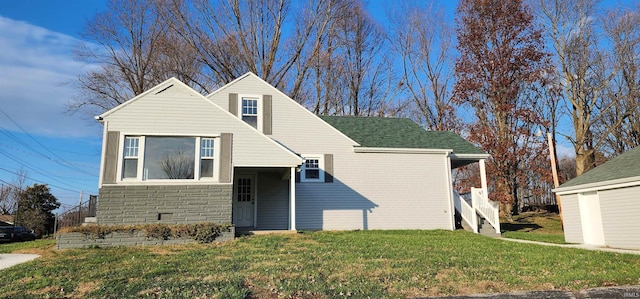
466,211
485,207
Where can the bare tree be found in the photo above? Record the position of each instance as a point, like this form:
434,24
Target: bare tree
233,37
350,73
586,71
622,26
129,50
424,44
177,165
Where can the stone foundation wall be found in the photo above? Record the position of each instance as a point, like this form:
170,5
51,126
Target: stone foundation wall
137,238
171,204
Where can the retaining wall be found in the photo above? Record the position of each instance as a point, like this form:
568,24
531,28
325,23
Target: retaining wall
136,238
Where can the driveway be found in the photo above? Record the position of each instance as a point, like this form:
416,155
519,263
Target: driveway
8,260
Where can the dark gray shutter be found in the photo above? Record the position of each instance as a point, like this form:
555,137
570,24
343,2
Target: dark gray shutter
328,168
226,165
297,176
233,103
111,157
266,114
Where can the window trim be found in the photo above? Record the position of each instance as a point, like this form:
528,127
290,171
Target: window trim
320,179
125,157
139,179
259,124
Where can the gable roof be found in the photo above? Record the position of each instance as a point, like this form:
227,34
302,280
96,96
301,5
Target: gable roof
623,168
285,96
384,132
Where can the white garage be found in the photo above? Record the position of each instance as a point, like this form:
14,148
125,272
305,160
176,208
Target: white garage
602,206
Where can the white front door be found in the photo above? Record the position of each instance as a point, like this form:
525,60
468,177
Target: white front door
244,200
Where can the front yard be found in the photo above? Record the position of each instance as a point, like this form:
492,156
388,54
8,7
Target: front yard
315,265
534,226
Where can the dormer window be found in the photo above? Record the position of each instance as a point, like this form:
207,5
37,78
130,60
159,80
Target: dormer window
254,109
250,111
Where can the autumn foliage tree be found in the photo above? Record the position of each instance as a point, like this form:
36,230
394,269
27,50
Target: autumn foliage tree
501,69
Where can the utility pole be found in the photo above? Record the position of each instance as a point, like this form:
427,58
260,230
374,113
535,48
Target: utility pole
554,172
80,209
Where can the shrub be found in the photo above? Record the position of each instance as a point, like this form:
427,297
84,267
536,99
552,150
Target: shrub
205,232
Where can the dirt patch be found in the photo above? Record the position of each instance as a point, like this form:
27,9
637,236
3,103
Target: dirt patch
38,251
49,290
85,288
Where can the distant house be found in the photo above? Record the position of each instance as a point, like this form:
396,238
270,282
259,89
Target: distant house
6,220
249,155
601,206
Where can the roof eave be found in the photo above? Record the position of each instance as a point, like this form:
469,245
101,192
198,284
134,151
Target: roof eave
597,186
392,150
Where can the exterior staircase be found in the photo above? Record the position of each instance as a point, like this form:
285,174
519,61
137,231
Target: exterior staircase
477,213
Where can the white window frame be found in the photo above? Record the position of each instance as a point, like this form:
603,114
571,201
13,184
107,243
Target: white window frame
259,102
216,170
125,156
140,179
320,179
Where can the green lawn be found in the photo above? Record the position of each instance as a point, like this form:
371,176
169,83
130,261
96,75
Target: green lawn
315,265
534,226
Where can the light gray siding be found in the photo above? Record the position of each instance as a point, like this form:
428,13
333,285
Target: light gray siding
369,190
273,201
179,110
571,219
378,191
620,210
185,203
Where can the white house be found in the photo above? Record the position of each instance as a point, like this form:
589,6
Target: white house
248,154
600,207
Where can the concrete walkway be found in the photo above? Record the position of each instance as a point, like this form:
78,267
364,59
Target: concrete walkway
580,246
8,260
622,292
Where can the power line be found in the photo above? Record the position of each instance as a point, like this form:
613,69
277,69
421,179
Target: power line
61,161
39,181
29,166
13,148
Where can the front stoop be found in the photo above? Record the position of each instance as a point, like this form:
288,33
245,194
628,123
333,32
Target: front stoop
484,228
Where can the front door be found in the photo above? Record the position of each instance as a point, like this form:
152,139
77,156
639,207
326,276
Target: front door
244,200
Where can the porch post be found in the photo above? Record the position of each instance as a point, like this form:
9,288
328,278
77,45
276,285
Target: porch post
292,199
483,180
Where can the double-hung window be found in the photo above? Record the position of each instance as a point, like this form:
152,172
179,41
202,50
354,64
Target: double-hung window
250,111
206,157
312,169
130,160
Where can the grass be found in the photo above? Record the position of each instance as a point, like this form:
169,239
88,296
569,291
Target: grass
392,264
534,226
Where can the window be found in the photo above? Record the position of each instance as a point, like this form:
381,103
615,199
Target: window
168,158
250,111
312,169
130,163
206,158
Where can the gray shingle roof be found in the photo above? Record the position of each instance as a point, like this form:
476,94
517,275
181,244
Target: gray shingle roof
624,166
398,133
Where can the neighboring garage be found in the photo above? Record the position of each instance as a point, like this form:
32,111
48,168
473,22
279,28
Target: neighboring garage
602,206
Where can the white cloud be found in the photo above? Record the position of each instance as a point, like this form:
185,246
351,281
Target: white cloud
36,67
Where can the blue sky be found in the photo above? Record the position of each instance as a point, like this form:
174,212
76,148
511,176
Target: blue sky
36,133
37,69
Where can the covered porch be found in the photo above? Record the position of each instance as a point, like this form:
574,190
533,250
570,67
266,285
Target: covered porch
264,199
475,208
